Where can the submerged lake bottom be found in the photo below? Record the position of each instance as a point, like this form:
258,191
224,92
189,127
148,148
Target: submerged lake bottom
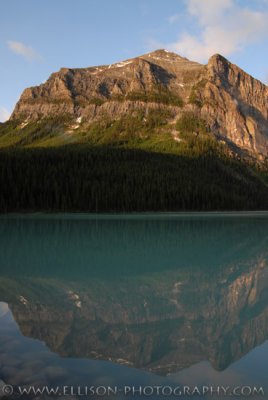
134,306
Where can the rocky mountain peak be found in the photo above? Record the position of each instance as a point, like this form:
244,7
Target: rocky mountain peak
217,58
164,54
233,104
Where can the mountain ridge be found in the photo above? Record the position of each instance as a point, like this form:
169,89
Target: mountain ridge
233,103
152,133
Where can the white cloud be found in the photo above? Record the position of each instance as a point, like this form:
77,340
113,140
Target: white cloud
173,18
25,51
207,11
225,26
4,114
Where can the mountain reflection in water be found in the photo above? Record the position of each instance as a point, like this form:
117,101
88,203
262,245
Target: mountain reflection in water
182,296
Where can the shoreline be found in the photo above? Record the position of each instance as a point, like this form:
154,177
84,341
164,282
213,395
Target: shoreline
132,215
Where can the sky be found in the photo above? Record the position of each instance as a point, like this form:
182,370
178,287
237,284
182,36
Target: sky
38,37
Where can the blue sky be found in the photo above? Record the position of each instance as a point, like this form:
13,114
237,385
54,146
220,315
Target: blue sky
39,37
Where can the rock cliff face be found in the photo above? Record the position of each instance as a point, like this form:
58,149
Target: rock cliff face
233,104
236,105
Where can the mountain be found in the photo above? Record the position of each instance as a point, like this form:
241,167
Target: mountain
177,134
233,104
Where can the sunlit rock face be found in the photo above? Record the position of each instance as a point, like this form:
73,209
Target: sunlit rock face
233,104
236,105
93,92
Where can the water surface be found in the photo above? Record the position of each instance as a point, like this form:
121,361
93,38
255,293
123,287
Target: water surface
134,300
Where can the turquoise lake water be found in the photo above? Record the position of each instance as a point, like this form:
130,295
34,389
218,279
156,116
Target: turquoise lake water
135,302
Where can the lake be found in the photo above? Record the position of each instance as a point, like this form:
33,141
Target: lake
134,306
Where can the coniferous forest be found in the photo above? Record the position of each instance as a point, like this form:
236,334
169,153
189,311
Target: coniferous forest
107,178
124,166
